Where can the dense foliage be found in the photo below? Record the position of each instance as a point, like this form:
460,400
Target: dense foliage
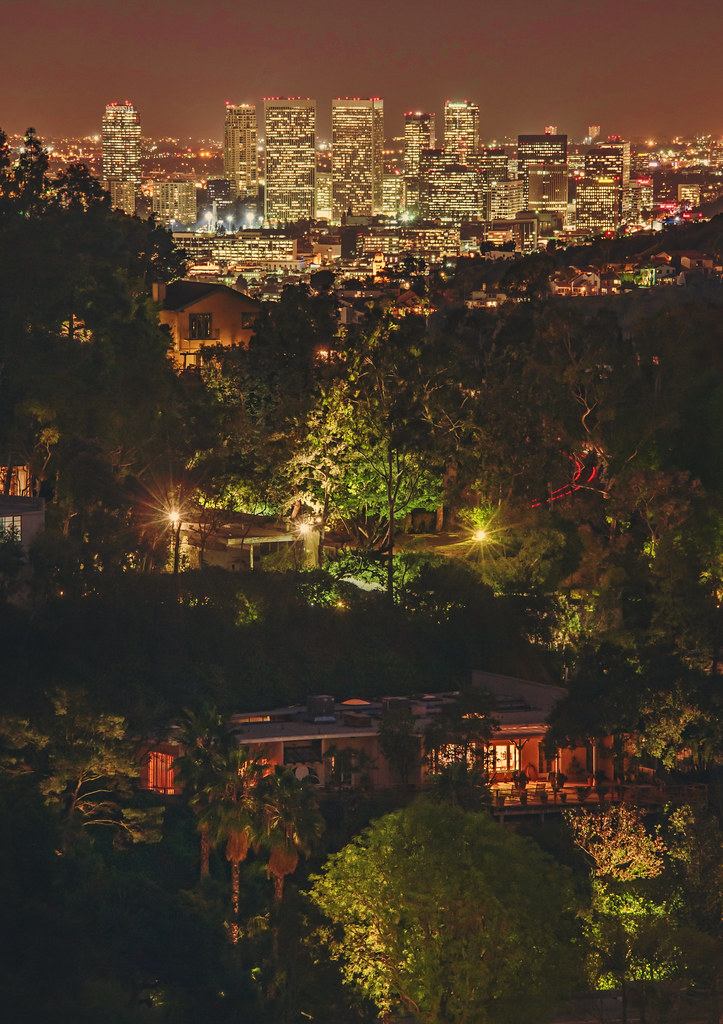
535,489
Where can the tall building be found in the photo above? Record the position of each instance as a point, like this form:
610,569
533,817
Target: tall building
461,129
290,138
418,135
493,168
393,194
121,138
539,149
641,200
175,201
598,204
450,191
612,161
357,141
547,188
219,192
240,150
323,195
506,200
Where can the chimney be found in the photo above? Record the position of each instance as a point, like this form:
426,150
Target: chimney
159,291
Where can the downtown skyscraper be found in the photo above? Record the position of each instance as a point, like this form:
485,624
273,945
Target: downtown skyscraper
290,162
418,136
536,150
357,127
121,139
240,150
461,130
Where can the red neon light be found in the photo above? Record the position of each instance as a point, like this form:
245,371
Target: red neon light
575,485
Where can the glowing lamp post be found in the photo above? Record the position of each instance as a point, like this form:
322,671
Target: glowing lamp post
174,519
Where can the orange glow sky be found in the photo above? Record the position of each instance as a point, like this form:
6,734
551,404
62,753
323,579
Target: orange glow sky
639,68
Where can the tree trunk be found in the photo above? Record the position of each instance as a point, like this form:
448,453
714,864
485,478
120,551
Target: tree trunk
390,534
235,888
205,851
322,527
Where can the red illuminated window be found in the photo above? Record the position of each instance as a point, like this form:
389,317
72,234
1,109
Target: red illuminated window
161,773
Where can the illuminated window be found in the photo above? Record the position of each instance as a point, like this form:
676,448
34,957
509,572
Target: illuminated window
199,326
506,757
11,526
161,776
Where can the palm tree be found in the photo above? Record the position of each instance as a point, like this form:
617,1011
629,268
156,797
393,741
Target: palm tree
291,824
232,815
206,742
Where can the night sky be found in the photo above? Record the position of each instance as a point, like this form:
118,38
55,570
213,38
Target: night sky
640,68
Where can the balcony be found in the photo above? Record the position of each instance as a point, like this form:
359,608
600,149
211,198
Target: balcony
192,343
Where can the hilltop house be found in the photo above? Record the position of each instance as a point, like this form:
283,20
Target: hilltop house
201,314
337,743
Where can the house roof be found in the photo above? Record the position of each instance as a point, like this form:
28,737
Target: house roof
182,294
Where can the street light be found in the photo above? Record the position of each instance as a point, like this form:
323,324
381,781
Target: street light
174,518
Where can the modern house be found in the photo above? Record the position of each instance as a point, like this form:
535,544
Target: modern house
337,744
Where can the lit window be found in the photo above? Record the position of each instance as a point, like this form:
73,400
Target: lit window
199,326
161,776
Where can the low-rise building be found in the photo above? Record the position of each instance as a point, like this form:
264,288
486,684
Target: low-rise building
337,744
200,315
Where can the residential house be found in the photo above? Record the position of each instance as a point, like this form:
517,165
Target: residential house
201,314
337,743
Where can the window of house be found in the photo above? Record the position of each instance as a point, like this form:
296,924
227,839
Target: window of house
10,526
507,757
161,775
199,326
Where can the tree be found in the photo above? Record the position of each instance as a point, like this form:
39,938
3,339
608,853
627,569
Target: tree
450,916
89,773
399,742
232,814
206,742
632,934
291,822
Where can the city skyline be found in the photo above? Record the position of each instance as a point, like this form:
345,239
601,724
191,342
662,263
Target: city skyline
524,65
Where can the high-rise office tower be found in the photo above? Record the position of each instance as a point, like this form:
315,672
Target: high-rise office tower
290,138
612,161
598,204
323,195
507,199
393,194
357,141
175,201
461,129
450,191
240,145
418,135
121,137
547,188
539,149
493,168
